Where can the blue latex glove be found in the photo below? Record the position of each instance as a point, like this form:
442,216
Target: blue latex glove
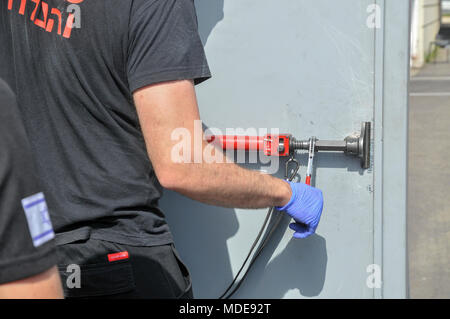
305,207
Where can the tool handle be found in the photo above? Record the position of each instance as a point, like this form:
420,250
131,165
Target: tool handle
308,180
238,142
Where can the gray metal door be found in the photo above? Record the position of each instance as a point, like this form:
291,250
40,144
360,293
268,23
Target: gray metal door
309,68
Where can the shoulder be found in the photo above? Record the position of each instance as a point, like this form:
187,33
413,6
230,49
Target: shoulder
147,6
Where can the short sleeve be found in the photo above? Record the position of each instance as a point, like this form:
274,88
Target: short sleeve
25,248
164,43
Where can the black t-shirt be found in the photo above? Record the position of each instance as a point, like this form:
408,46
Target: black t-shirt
74,87
26,245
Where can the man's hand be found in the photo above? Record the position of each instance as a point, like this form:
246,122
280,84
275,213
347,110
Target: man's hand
305,207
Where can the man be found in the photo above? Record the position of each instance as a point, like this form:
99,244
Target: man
27,255
111,91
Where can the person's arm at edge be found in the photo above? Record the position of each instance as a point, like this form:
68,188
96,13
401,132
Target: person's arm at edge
164,107
46,285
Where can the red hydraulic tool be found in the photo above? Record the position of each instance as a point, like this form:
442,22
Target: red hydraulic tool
286,144
272,145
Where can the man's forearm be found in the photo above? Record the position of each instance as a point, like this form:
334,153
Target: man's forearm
228,185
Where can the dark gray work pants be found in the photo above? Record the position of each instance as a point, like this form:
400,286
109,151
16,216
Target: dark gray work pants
148,272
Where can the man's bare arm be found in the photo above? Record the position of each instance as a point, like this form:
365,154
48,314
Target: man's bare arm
164,107
46,285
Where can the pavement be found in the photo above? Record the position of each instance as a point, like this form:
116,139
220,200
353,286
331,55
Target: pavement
429,181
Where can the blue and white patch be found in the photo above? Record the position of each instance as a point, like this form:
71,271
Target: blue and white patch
39,223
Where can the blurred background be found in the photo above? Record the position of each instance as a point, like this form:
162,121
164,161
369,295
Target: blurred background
429,151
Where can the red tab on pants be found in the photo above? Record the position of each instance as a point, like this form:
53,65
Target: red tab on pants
118,256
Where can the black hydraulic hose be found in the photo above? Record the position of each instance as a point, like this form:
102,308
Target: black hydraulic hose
257,254
258,237
227,295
